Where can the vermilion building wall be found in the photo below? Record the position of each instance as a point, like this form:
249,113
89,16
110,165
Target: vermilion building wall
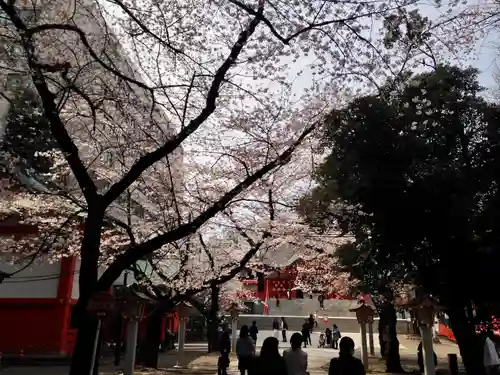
38,325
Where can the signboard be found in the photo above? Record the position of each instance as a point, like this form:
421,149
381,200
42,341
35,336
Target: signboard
101,304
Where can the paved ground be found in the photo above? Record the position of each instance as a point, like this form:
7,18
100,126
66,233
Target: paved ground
202,364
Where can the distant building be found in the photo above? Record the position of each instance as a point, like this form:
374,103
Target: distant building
273,277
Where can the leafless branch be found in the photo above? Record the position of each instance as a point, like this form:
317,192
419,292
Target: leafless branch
137,252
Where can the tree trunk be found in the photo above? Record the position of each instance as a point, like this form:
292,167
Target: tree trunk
381,336
148,353
88,275
471,345
82,353
212,321
392,358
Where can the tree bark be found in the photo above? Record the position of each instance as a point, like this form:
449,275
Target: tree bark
212,321
382,324
471,345
148,353
82,353
392,357
88,275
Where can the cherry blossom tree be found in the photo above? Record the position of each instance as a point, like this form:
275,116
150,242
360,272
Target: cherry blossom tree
210,102
323,274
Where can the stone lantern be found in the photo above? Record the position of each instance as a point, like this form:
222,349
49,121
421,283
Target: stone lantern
234,311
185,310
424,309
132,309
365,315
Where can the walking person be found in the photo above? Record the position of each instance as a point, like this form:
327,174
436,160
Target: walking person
321,300
336,335
306,333
295,357
284,328
270,362
245,350
225,349
329,337
346,363
311,321
276,328
253,331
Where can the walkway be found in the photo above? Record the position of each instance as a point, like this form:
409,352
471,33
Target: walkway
201,363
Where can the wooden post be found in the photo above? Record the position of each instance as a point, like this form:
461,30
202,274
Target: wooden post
370,338
364,349
129,363
94,349
453,364
181,339
428,351
234,333
364,315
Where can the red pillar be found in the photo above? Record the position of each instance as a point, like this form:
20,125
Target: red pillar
64,291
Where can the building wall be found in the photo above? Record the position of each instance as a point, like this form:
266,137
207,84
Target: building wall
34,315
37,321
39,280
75,292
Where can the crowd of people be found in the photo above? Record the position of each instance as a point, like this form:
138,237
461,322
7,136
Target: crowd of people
294,360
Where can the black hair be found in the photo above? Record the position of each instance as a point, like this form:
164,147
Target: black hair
296,340
270,348
346,346
244,331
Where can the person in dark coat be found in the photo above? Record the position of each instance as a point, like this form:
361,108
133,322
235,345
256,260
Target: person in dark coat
335,336
284,328
245,350
270,361
225,349
346,363
253,331
311,321
306,333
329,335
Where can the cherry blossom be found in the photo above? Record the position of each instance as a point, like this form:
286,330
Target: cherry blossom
180,118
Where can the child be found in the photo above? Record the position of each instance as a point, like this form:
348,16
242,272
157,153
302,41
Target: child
322,340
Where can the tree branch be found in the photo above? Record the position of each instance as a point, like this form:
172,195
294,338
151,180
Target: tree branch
311,26
149,159
136,253
209,255
58,130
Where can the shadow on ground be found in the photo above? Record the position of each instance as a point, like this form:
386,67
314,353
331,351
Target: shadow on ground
409,364
197,363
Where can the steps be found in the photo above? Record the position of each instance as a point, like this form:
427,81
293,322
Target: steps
305,307
346,324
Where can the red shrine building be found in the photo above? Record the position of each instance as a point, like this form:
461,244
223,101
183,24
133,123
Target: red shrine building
36,305
268,283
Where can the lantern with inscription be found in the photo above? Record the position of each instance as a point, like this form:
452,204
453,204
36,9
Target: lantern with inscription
364,315
424,309
184,310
